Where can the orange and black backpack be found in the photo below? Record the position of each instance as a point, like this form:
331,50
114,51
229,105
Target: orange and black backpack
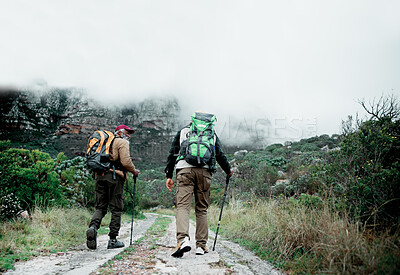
98,151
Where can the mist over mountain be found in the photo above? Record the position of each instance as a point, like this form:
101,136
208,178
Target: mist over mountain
56,119
269,71
61,119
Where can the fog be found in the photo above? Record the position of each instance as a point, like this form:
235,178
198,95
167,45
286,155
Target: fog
283,70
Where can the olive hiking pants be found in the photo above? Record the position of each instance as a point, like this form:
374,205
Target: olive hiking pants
108,193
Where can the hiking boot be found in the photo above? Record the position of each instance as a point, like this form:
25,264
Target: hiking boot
181,248
201,250
114,243
91,237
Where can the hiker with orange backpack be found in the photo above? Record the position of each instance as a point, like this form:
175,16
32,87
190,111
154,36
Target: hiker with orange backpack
110,167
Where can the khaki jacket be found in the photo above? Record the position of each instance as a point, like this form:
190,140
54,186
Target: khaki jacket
120,151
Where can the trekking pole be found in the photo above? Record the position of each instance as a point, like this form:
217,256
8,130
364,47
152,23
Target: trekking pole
222,207
133,207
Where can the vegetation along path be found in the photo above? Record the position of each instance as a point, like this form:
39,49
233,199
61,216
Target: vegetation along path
149,254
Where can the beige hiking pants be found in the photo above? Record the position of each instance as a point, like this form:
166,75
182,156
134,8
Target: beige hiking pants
191,181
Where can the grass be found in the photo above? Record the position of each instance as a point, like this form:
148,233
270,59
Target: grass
48,231
166,211
294,237
303,240
147,243
157,230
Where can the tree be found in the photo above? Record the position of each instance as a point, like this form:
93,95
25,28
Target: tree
370,162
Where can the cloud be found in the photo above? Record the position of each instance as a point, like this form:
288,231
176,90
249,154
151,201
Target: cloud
287,62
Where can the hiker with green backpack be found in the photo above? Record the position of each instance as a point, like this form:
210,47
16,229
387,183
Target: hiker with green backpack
194,153
109,158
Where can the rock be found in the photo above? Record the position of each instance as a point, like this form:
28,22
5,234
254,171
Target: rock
240,153
235,170
282,182
23,214
315,161
281,173
325,148
280,186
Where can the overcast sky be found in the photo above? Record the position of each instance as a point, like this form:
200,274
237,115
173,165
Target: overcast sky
293,68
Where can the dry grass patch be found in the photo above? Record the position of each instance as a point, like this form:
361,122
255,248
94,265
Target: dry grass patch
307,240
52,230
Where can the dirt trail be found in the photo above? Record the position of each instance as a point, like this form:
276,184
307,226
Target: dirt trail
81,260
228,258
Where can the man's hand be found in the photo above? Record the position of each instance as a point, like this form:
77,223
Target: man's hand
231,173
136,173
170,184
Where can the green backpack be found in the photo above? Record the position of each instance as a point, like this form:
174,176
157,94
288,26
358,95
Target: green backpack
199,148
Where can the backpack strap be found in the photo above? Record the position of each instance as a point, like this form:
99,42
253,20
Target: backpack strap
117,163
92,142
109,141
101,141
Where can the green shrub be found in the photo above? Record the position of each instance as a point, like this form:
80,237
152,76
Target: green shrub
150,190
257,176
10,205
278,161
30,176
307,147
4,145
34,178
74,178
364,175
370,158
310,201
302,184
271,148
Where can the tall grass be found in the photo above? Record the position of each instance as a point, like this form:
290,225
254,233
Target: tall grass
301,239
51,230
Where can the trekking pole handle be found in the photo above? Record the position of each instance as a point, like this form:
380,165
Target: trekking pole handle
134,187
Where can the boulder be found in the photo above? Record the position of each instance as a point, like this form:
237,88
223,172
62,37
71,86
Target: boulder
240,153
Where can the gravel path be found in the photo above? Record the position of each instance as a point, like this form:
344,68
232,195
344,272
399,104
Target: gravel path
228,257
81,260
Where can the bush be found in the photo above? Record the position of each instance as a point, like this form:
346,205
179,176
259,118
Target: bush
271,148
10,205
258,175
150,190
34,178
370,158
364,175
74,180
4,145
310,201
30,176
307,147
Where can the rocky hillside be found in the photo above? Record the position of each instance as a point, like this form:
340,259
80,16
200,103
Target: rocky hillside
61,120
